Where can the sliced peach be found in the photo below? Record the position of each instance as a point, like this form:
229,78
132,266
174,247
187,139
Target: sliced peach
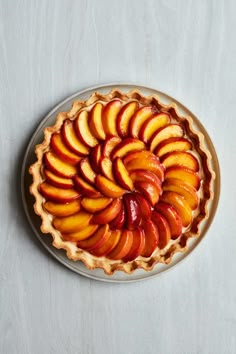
163,229
108,188
86,170
67,209
80,235
98,239
95,158
62,151
72,223
61,182
152,124
139,118
132,211
137,245
123,247
119,220
126,146
170,131
181,158
109,117
71,139
173,218
59,167
121,175
106,168
95,122
173,144
184,174
145,176
109,145
109,245
186,190
83,131
58,194
94,205
180,204
150,191
145,206
144,154
151,237
85,189
124,118
108,214
150,164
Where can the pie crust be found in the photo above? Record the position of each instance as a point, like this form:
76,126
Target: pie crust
164,255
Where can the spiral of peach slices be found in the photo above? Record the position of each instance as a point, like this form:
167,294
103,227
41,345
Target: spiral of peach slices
120,180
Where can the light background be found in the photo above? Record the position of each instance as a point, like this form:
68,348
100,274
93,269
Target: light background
50,49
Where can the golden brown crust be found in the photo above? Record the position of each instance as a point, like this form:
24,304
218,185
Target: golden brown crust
159,256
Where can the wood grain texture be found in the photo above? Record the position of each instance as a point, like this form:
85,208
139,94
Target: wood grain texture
48,50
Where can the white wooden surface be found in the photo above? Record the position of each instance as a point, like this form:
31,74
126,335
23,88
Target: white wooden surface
48,50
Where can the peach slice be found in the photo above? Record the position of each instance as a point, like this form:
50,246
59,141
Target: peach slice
59,167
95,158
181,158
182,188
163,229
83,131
145,176
94,205
139,118
151,238
152,124
173,144
108,188
98,239
58,194
86,170
173,218
80,235
170,131
62,151
95,122
57,181
109,117
71,140
132,211
184,174
109,145
119,220
126,146
145,206
72,223
85,188
106,168
109,245
62,209
124,118
137,245
180,204
150,164
121,175
144,154
150,191
108,214
123,247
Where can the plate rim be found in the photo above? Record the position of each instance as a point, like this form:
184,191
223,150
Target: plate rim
105,278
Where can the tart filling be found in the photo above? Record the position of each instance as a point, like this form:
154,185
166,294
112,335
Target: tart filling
121,181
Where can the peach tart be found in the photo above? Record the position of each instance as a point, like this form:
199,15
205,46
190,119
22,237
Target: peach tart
121,181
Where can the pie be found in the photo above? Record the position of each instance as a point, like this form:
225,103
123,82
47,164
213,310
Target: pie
122,181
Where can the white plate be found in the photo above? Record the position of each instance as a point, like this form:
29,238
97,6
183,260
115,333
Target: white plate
35,221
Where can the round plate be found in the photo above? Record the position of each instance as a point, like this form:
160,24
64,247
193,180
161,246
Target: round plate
35,221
